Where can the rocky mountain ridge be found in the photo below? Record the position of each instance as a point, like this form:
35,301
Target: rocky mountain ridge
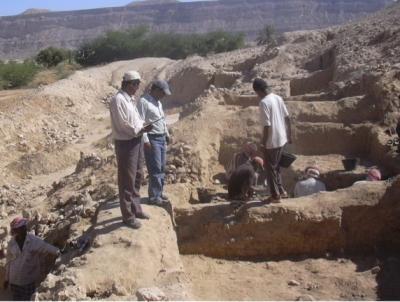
24,35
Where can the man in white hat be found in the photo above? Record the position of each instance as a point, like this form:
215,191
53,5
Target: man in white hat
127,131
156,140
310,185
24,253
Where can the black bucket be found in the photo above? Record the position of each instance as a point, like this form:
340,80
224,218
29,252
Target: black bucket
206,195
349,164
287,159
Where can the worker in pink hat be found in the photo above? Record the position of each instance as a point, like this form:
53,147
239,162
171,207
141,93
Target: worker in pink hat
24,253
373,174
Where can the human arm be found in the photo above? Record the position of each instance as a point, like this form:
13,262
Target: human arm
287,121
288,129
168,136
43,247
264,136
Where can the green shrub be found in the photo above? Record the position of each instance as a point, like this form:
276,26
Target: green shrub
266,36
52,56
13,74
139,42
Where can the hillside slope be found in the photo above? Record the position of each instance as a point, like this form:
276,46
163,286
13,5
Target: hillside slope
24,35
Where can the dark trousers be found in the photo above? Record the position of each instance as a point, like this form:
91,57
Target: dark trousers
130,173
272,158
22,292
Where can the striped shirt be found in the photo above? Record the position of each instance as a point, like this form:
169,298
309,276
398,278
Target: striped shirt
23,267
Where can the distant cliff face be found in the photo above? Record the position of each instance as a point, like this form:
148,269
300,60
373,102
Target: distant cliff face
24,35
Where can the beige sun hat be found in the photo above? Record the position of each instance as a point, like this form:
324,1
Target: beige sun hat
131,76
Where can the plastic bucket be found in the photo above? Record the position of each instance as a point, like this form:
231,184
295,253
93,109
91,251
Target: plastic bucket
349,164
206,195
287,159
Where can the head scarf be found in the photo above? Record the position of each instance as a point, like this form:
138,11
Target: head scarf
374,175
259,161
18,222
312,172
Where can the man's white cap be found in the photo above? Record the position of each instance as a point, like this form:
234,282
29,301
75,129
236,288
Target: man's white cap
131,76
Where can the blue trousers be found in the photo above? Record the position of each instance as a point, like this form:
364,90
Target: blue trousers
156,160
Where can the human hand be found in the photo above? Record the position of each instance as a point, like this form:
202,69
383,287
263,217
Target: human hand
147,146
148,128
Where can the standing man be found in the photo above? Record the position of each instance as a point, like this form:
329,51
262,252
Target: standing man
155,141
24,253
127,131
276,133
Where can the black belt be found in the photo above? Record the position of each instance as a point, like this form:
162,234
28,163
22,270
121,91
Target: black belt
156,135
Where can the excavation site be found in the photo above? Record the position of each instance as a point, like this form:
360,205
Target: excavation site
341,86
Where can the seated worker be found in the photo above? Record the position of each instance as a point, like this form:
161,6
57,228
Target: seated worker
310,185
242,180
373,174
24,253
248,152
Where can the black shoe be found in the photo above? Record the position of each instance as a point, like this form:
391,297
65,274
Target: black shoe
158,202
133,224
143,216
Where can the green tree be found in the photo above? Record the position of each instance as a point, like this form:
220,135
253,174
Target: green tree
14,74
267,36
52,56
139,42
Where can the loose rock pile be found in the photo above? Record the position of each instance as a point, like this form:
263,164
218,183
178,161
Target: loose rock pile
181,167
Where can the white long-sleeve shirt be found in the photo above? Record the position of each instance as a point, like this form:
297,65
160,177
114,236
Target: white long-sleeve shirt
23,267
125,119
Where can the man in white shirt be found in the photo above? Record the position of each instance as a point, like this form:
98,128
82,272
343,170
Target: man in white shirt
310,185
275,121
24,253
156,140
127,130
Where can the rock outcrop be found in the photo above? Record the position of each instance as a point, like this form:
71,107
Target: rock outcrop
24,35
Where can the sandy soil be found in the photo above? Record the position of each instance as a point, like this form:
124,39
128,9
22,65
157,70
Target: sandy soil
321,279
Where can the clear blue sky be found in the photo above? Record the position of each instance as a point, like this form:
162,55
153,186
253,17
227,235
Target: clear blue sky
15,7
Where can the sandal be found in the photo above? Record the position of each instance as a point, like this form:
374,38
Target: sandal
273,199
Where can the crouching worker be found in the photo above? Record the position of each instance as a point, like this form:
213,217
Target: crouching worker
24,254
248,152
310,185
242,180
